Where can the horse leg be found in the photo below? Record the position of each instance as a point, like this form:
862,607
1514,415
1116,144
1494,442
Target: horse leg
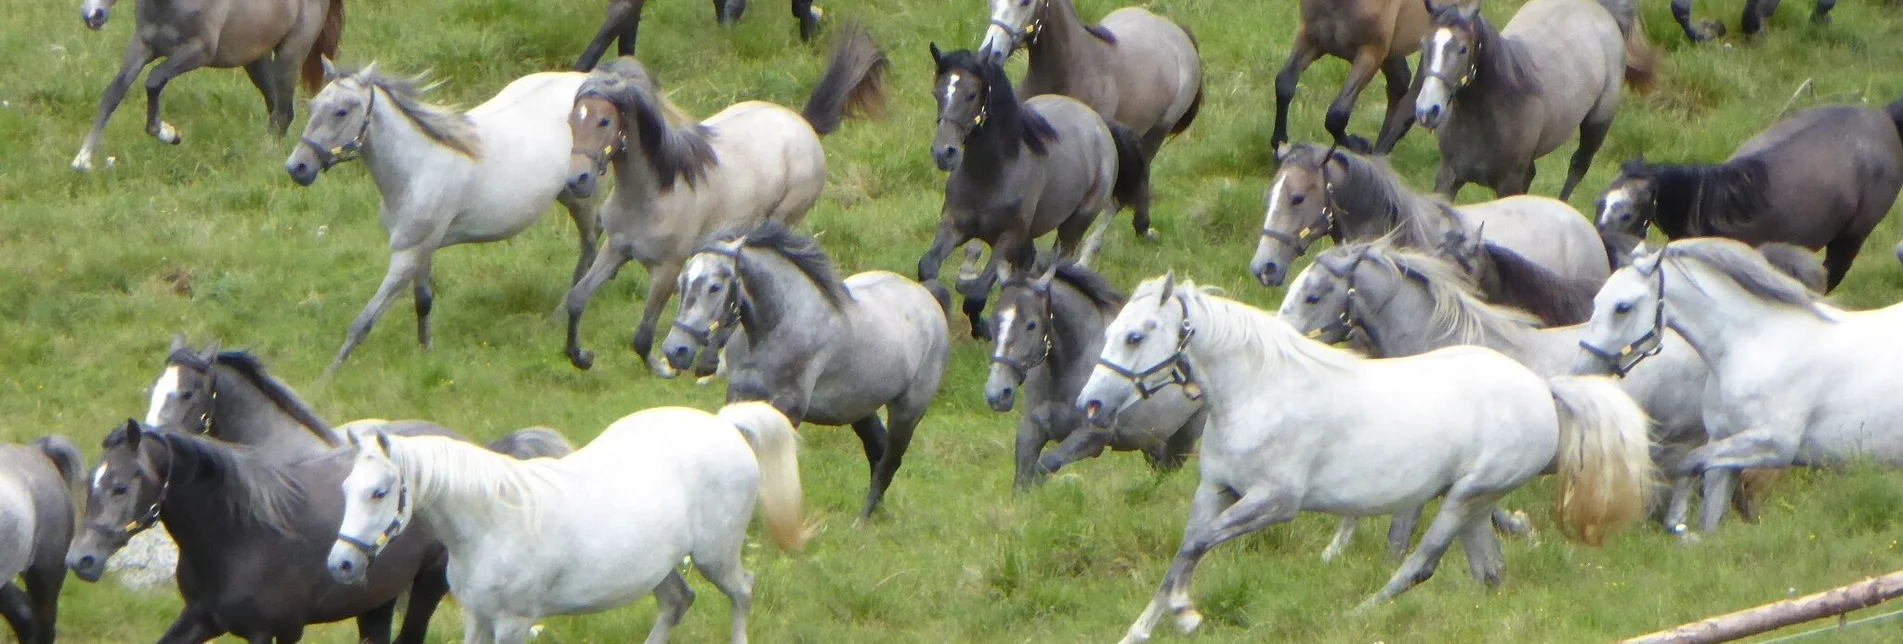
606,264
259,71
1033,433
1401,532
1300,57
624,17
661,284
43,584
974,293
1367,62
1592,134
587,231
1754,15
947,238
191,627
1718,483
809,19
138,55
1457,513
872,438
1838,255
426,593
1210,502
1176,450
1702,31
373,626
1084,442
1821,14
1484,560
18,611
192,56
1255,511
404,265
478,628
513,629
734,582
1508,524
902,416
1679,508
425,300
1344,533
1400,103
1447,184
1071,239
673,598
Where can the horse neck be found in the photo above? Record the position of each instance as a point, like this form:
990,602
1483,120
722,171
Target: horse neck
1714,314
1076,328
999,150
241,413
1378,208
637,185
1059,51
781,298
1235,362
1485,98
400,156
1679,200
193,511
457,515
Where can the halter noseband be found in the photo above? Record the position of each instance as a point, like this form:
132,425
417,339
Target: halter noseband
1176,366
1023,367
1648,345
371,549
729,317
150,517
1028,35
1308,235
327,157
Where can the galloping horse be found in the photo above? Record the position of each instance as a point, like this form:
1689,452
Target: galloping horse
39,485
1020,171
1755,11
1297,425
623,24
821,349
1372,35
1823,178
270,39
676,186
698,476
1500,100
445,177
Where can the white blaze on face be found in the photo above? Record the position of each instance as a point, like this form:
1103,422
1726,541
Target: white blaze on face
581,112
99,476
162,390
1007,327
1436,55
1615,199
951,86
1277,197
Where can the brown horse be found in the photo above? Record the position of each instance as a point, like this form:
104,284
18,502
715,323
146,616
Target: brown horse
270,39
624,22
1372,35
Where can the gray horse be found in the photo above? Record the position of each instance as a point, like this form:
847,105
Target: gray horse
270,39
1500,100
820,349
39,484
1046,333
1020,171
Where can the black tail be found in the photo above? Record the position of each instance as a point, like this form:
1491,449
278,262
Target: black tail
67,459
534,442
1133,170
1896,116
854,82
1195,105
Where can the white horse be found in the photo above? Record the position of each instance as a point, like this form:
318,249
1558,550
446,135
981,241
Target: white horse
446,177
588,532
1795,381
1297,425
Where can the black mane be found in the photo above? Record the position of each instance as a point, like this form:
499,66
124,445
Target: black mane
1558,301
1002,109
1090,284
253,491
1498,62
1709,200
800,250
252,370
682,153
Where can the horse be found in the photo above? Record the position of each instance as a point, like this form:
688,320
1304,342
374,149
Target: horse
1020,171
1765,338
623,24
676,186
1500,100
1512,280
272,41
1372,36
1295,425
1755,12
1335,193
1047,332
446,177
1393,302
820,349
1795,261
699,475
38,485
239,517
1823,178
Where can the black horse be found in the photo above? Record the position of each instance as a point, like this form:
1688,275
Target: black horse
624,23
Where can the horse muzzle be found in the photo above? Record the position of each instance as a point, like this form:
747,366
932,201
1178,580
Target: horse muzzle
95,17
348,564
87,561
582,184
1268,272
947,157
1000,393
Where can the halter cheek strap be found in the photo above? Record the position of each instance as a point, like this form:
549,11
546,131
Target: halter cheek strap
371,549
328,157
1176,366
1028,35
728,317
1629,356
1022,368
1308,235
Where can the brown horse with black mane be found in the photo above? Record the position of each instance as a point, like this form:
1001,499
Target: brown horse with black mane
1373,35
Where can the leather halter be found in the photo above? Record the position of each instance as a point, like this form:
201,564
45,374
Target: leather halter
1176,366
729,317
1022,368
1028,35
1648,345
1454,84
608,152
327,157
150,517
1308,235
371,549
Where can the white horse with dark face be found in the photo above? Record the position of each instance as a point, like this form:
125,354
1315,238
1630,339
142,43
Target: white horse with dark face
1796,381
1297,425
594,530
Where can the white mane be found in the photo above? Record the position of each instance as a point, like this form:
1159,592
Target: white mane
450,470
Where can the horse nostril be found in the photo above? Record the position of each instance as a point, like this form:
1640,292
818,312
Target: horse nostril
86,561
346,566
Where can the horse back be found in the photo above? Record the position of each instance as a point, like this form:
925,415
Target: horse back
769,165
1078,169
1822,168
1158,69
36,511
895,344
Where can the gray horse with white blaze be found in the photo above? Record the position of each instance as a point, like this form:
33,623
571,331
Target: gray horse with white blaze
820,349
1046,333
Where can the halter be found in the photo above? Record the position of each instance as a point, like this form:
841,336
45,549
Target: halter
150,517
1473,71
348,151
371,549
1028,35
1176,365
729,317
1023,368
1308,235
1647,345
607,152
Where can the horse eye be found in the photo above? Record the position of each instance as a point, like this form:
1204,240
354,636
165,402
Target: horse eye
1312,299
185,395
1622,308
1133,339
1030,326
1298,199
120,490
1625,217
603,123
1463,50
343,112
714,288
379,494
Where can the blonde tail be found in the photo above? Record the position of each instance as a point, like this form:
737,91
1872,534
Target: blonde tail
1604,462
776,447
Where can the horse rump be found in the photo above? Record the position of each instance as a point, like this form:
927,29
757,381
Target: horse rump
67,459
776,447
1195,104
1133,168
854,82
533,442
325,47
1605,461
1641,58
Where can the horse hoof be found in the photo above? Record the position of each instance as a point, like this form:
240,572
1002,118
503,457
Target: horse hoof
1188,620
1153,234
168,134
583,360
1709,30
84,163
704,380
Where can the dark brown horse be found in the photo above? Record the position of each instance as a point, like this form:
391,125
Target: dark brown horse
270,39
1755,11
1372,35
37,487
1823,178
624,23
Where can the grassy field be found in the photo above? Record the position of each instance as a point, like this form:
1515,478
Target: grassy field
212,239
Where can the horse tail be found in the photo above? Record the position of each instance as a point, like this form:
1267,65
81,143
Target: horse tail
1641,58
324,47
1604,462
776,447
67,459
1133,168
533,442
1797,262
1195,104
854,82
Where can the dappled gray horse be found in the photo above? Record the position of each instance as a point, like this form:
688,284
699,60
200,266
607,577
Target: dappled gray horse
821,349
39,484
1047,332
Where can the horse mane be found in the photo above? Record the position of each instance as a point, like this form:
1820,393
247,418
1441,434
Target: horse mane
1091,285
1797,262
252,370
254,491
1747,268
443,124
440,465
1498,61
674,152
1370,184
1001,106
1710,200
801,251
1459,307
1239,325
629,69
1555,299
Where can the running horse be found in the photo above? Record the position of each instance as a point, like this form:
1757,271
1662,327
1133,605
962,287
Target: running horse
40,484
623,24
1373,36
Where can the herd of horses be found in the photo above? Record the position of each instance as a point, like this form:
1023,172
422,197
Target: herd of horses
1506,339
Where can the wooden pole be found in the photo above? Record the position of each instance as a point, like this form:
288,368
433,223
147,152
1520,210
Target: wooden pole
1751,621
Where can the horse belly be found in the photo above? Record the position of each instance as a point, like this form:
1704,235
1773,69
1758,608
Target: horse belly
252,30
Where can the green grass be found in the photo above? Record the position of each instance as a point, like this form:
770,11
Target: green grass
89,300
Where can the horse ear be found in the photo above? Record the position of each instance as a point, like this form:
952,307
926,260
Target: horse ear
1281,153
1467,10
210,353
1169,286
1043,282
178,341
383,443
938,57
1429,4
133,431
330,69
